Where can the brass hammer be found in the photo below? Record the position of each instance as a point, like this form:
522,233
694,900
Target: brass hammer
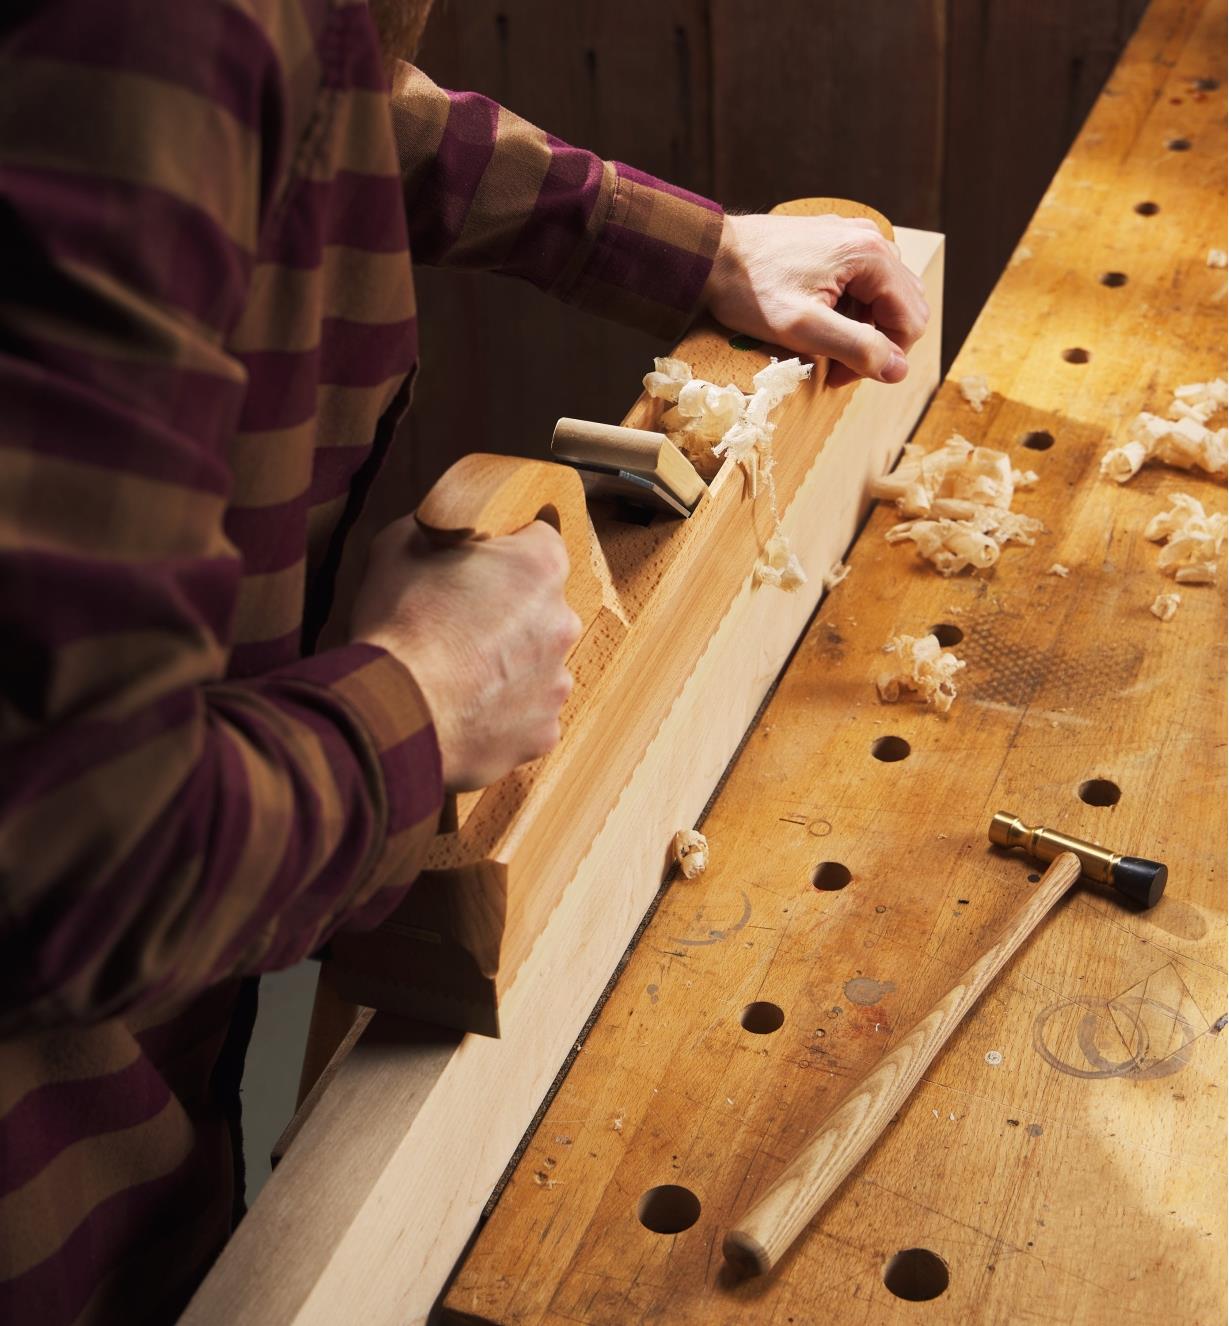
768,1229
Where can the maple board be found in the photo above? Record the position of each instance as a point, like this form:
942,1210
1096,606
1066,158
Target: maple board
1064,1157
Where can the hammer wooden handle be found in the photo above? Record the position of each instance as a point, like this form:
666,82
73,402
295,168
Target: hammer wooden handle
768,1229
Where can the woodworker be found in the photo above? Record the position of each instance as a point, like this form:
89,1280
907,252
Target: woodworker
207,336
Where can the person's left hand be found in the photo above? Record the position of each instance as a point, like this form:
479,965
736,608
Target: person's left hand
824,286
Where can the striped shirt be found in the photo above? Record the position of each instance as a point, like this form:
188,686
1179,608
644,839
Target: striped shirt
207,335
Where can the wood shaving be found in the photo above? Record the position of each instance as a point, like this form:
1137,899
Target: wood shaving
1165,605
837,575
968,534
1193,540
1183,440
1022,254
779,566
957,471
691,852
668,378
921,665
1058,569
705,411
1218,258
975,389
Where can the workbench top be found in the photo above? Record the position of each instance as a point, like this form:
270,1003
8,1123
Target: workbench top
1064,1157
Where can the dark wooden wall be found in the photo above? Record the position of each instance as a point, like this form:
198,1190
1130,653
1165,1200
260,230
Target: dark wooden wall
944,114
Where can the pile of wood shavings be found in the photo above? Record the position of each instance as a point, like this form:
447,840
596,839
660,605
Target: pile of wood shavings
959,500
709,423
1183,440
921,665
1192,540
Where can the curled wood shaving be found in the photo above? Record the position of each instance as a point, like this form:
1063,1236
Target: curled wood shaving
1183,440
1218,258
1192,538
1165,605
1058,569
957,470
920,665
691,852
667,379
705,410
967,535
975,389
779,566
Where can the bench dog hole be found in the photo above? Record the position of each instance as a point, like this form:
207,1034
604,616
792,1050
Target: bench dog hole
762,1017
1100,792
889,749
916,1274
831,875
668,1209
946,634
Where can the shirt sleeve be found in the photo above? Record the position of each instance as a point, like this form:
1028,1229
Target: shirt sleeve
485,189
161,827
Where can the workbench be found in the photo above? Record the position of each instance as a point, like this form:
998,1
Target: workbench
1063,1159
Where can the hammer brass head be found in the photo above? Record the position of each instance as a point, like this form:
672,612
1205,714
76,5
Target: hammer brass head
1134,877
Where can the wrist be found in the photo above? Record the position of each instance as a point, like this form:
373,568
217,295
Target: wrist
726,262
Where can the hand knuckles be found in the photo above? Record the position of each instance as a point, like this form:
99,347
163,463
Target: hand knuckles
566,631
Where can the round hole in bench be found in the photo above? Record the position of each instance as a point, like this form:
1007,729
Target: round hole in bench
890,749
1100,792
830,876
916,1274
1147,209
947,634
1179,144
1077,355
1038,440
1114,279
668,1209
762,1017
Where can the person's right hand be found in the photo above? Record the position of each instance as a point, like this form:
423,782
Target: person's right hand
484,629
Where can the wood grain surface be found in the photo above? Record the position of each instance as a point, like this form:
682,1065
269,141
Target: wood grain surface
1064,1158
